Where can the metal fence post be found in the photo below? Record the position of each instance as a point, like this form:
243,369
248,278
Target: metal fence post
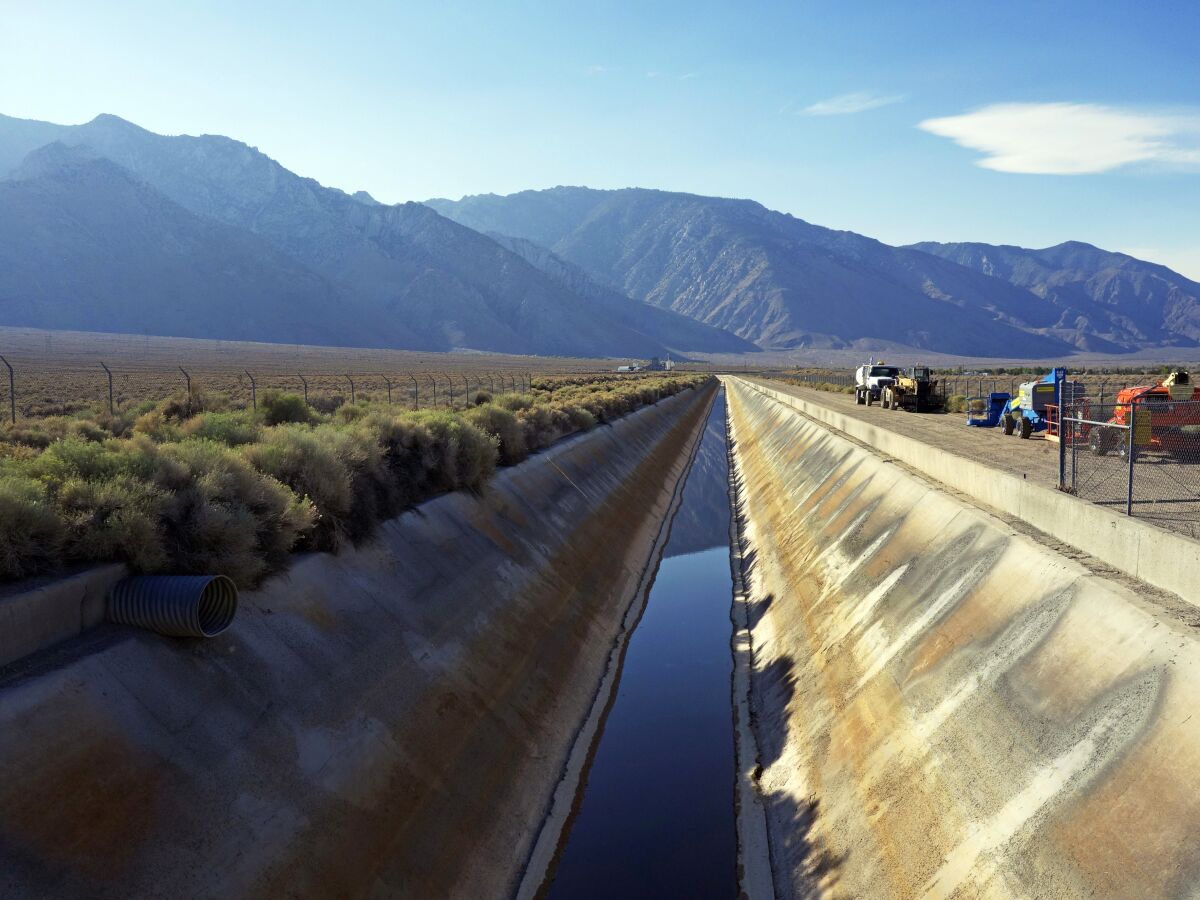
253,390
304,381
416,392
1132,450
351,380
388,382
1062,447
12,391
189,380
108,372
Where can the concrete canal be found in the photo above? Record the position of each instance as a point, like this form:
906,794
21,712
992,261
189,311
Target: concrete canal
655,817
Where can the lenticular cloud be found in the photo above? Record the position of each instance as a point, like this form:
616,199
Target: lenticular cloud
1070,138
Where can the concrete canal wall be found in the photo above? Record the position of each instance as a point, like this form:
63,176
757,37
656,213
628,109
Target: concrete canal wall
392,721
942,706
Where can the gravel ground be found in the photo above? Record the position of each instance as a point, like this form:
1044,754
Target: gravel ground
1035,458
1167,493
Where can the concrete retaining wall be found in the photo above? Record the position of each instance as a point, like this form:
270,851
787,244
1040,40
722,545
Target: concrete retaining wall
1162,558
391,721
944,707
48,611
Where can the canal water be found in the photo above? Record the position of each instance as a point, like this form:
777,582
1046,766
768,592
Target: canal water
656,817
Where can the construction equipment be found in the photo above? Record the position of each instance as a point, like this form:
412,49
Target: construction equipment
1165,416
1026,412
913,390
870,380
985,412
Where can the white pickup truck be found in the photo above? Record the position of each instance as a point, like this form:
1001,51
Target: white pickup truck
870,380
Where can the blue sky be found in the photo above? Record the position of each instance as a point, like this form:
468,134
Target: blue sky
1014,122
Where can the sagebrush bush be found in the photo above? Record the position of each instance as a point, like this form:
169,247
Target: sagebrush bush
310,462
229,428
466,456
325,402
502,425
155,425
223,516
117,517
31,531
514,402
183,406
188,485
281,408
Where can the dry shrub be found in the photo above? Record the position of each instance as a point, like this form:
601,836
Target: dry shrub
465,456
312,463
225,517
958,403
189,507
502,425
229,428
114,518
31,531
326,403
198,488
514,402
280,408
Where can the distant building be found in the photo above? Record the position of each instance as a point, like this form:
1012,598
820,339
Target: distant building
655,365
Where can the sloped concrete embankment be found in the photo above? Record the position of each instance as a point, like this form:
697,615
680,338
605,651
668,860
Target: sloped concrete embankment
943,707
391,721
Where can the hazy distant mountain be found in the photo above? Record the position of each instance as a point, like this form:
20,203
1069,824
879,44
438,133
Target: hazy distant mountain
207,236
83,245
19,137
416,278
1102,300
767,276
664,325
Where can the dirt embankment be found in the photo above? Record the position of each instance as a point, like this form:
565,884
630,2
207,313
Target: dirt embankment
391,721
943,706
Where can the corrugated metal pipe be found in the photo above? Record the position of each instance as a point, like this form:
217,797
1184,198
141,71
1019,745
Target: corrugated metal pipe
175,605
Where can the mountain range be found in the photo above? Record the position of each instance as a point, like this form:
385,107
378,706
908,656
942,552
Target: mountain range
785,283
107,226
314,264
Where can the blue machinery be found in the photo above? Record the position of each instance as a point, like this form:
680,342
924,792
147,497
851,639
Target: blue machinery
1025,413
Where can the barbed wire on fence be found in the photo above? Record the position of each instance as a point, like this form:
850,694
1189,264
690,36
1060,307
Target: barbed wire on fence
40,390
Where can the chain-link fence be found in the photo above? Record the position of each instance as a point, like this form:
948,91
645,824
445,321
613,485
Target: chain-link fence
1140,454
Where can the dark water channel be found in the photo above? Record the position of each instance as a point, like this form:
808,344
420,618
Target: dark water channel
656,817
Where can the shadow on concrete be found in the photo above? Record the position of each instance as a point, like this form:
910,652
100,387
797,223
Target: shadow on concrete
802,861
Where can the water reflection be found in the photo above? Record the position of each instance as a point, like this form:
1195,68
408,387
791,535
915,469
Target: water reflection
703,517
656,818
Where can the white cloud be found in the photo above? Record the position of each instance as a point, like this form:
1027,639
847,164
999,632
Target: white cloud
847,104
1070,138
595,70
688,76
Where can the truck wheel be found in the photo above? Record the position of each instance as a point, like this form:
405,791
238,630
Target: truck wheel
870,399
1096,443
885,399
858,398
1009,423
1026,428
